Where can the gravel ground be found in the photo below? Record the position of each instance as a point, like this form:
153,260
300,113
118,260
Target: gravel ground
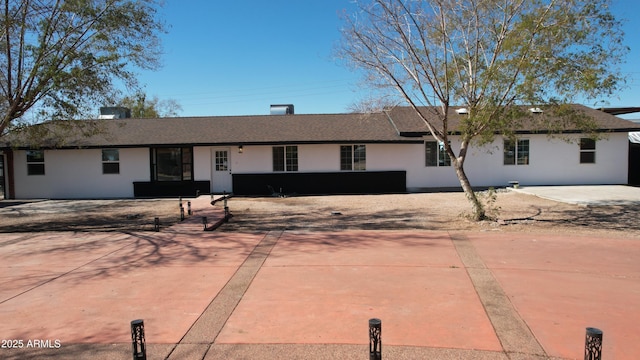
86,215
429,211
425,211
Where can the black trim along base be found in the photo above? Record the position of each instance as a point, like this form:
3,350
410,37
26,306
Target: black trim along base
352,182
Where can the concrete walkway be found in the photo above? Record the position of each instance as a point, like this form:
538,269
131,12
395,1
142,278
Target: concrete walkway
587,194
309,295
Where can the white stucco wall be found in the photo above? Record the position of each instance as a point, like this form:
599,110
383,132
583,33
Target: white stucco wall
552,162
78,174
202,163
325,158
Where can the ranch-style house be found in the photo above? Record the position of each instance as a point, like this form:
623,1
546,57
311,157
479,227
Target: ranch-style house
382,152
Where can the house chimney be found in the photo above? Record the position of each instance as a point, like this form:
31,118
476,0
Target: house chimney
282,109
114,112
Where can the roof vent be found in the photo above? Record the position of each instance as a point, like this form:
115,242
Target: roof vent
536,110
114,112
282,109
463,111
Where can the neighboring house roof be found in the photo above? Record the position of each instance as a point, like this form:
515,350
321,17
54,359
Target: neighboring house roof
621,110
398,125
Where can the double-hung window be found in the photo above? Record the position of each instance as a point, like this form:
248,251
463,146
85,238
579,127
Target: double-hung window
353,157
285,158
516,152
35,162
587,151
110,161
435,154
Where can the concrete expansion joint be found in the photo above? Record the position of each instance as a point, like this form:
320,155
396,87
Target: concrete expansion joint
514,334
199,339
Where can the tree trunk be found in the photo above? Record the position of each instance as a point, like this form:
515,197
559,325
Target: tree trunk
478,208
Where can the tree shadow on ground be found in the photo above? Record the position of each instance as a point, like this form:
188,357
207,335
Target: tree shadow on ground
622,218
326,219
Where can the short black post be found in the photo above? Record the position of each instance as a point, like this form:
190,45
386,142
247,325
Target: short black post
189,208
137,340
204,222
156,224
181,213
375,339
197,193
226,209
593,344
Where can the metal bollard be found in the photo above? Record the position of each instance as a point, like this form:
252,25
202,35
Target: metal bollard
375,339
189,208
181,212
204,222
137,340
593,344
156,224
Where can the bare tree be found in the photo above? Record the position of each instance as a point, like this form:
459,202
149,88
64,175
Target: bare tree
488,56
143,107
63,57
373,103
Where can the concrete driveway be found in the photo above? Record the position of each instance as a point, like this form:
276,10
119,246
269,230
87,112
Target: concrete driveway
587,194
308,295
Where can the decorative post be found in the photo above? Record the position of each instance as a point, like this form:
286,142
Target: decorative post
375,339
204,222
593,344
156,224
181,212
226,209
189,208
137,340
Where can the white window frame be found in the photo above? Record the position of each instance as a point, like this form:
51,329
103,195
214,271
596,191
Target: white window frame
355,160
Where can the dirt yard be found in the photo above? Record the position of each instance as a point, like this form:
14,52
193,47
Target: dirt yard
426,211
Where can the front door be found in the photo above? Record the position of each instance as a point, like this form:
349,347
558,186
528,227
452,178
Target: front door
221,174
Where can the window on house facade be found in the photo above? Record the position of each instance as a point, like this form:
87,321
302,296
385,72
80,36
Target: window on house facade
110,161
516,152
587,151
222,160
35,162
285,158
172,164
435,155
353,157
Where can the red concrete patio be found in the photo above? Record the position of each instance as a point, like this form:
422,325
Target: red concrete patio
308,295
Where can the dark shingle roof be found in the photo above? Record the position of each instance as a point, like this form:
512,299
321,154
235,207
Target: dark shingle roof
247,130
398,125
408,123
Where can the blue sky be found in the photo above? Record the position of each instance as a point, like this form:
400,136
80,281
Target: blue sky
238,57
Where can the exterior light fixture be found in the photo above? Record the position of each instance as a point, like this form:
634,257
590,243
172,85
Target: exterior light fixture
240,149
